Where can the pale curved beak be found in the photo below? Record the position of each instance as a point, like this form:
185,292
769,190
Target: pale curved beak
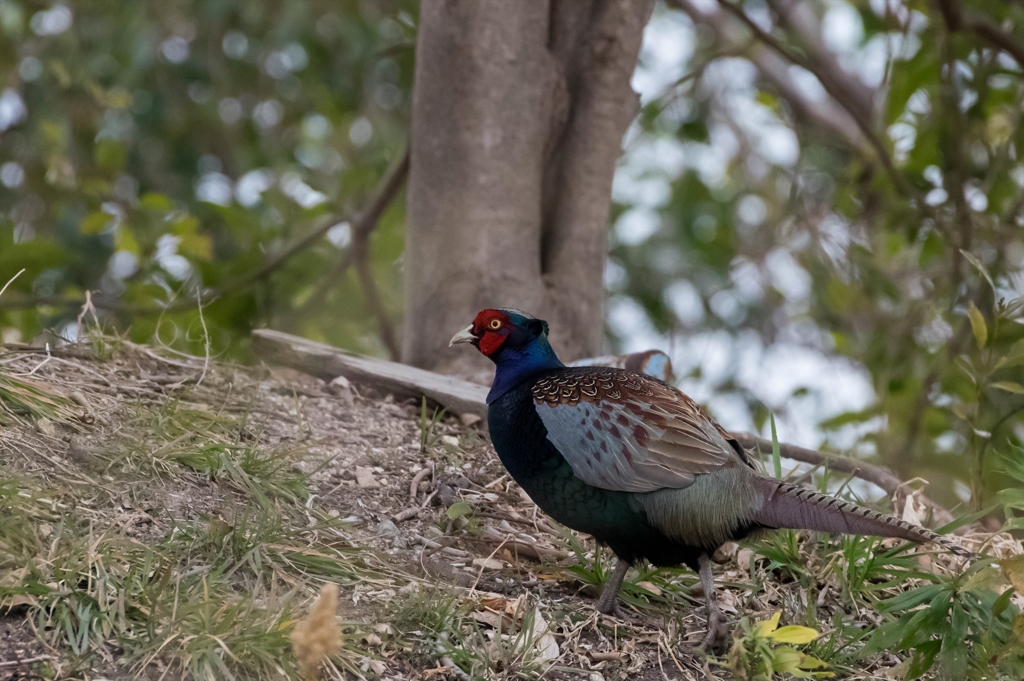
464,336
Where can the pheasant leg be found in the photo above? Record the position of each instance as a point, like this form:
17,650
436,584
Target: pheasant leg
608,603
707,582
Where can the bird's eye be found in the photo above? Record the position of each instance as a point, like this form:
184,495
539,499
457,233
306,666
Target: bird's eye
495,324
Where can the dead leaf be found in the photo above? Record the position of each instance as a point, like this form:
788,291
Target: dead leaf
649,588
546,644
605,657
1013,568
911,514
495,603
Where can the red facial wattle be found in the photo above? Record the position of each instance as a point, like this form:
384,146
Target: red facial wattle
491,327
491,341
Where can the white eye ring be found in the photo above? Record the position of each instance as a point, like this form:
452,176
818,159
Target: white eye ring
495,324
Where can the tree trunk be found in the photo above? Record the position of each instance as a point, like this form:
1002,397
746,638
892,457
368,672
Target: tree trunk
518,116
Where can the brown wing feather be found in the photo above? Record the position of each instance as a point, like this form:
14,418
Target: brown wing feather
662,438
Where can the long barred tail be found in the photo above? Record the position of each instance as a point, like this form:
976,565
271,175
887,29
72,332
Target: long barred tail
799,508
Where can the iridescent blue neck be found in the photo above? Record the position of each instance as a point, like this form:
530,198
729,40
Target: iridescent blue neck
517,364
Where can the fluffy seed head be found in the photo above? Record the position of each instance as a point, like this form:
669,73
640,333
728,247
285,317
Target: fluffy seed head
316,638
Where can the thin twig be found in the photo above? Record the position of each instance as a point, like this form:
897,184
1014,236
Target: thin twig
206,338
7,664
373,299
416,480
361,230
11,281
483,566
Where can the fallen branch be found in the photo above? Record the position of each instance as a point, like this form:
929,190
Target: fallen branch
463,397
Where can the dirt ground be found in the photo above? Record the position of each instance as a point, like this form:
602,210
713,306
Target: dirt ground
426,505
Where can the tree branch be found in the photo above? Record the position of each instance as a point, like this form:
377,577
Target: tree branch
799,17
358,253
373,298
825,115
957,19
838,92
362,226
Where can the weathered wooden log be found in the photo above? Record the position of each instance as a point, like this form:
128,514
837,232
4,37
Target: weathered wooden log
327,362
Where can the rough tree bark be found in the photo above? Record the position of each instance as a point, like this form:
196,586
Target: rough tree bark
518,115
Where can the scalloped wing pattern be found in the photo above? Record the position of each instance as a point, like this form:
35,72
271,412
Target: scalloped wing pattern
623,431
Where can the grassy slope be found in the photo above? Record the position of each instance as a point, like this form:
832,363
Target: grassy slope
169,517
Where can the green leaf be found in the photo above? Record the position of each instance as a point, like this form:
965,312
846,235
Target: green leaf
794,634
110,155
978,266
126,240
1002,603
923,659
910,599
1009,386
766,627
459,509
1015,357
157,203
94,223
977,324
197,245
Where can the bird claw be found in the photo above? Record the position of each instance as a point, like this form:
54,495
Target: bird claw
717,631
612,610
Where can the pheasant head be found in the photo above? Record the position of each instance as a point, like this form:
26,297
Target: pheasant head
515,341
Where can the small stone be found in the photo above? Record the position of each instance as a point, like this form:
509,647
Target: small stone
81,449
364,478
450,440
342,388
46,427
386,528
469,420
488,563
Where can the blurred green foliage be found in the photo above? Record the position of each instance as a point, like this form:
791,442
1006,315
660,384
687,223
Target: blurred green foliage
825,248
153,151
150,149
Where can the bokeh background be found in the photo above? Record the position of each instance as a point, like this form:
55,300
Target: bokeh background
862,284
